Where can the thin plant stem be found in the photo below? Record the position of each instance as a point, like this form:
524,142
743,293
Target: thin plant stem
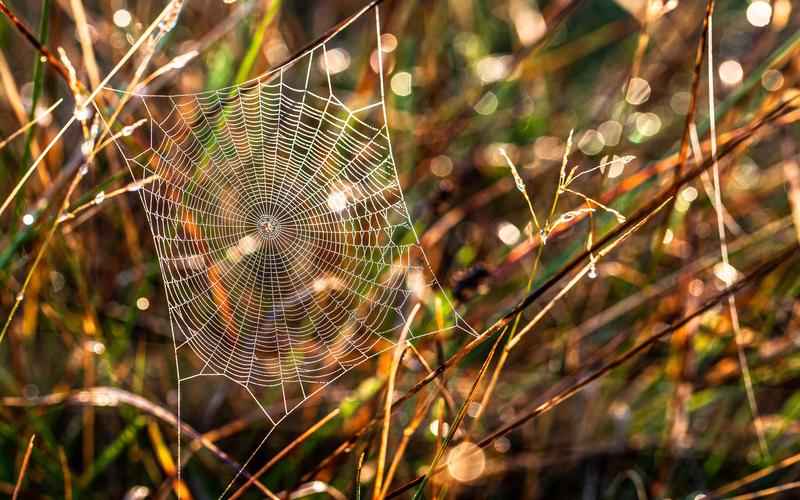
723,246
23,468
399,350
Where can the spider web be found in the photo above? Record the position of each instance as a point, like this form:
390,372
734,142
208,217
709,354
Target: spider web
286,248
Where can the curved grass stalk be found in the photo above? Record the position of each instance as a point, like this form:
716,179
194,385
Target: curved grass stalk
723,247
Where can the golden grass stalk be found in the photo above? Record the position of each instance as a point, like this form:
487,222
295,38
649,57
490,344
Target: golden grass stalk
85,40
644,213
723,244
768,492
423,406
458,419
448,397
23,468
164,457
726,490
33,167
40,254
169,12
103,197
397,356
29,124
113,397
286,451
760,272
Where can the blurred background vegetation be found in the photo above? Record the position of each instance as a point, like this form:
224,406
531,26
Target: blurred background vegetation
565,409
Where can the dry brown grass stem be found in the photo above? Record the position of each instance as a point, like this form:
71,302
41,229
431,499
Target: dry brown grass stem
738,138
23,468
683,153
423,406
286,450
328,35
768,492
144,37
14,99
26,32
440,386
599,252
128,188
168,12
40,254
761,271
451,432
644,212
753,277
347,445
164,457
726,490
397,357
515,336
659,288
314,488
769,117
644,38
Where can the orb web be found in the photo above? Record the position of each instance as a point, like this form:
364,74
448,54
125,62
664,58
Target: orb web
286,248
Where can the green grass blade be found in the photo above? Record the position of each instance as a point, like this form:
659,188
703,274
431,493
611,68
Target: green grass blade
258,39
113,450
38,79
